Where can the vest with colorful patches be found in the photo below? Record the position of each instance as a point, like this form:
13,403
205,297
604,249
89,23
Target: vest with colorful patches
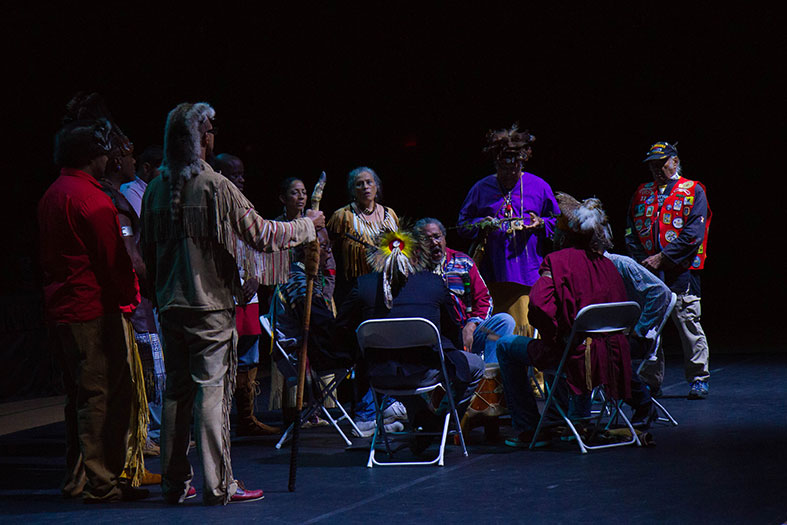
672,216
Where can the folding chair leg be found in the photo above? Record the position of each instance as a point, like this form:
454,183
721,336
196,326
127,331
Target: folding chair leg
335,425
441,454
378,424
626,420
550,393
284,437
345,416
667,417
452,413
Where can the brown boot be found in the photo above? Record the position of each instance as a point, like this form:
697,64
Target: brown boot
245,394
150,478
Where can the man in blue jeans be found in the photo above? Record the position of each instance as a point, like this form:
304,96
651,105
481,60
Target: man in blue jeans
472,303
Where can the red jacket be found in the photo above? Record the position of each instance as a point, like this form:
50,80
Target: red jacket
87,271
570,280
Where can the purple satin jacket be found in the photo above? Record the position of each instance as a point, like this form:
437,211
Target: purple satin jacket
513,257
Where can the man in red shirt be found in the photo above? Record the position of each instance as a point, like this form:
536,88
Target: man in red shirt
88,284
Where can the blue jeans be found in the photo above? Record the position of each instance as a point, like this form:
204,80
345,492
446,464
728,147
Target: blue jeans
149,346
499,324
514,361
248,351
364,411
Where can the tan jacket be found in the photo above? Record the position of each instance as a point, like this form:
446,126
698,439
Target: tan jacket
194,264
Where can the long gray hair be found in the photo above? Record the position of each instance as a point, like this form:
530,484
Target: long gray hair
182,144
354,175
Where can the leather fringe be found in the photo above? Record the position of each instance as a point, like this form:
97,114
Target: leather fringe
134,469
228,479
345,220
206,224
588,365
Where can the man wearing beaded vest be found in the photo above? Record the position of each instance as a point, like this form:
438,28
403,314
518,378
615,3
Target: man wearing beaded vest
667,232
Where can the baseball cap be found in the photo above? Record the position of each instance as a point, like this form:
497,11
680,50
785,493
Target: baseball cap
661,150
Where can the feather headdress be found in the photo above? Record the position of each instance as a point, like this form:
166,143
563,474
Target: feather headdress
92,106
396,255
508,140
582,223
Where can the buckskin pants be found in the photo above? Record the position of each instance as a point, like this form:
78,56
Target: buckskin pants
200,359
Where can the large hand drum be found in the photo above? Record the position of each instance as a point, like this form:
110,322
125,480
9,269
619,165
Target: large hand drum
488,397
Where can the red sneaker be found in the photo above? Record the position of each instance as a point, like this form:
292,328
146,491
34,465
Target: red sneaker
192,493
243,495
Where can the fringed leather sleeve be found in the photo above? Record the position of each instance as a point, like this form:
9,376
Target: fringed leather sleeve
245,234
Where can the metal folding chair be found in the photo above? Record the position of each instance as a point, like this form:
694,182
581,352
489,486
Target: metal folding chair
604,318
652,354
407,334
287,365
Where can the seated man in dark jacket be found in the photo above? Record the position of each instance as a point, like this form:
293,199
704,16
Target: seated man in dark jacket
405,289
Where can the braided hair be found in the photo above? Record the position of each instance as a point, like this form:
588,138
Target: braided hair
182,143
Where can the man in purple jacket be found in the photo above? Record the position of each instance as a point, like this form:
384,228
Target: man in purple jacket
511,217
512,209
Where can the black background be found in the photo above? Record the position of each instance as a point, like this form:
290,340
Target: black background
411,91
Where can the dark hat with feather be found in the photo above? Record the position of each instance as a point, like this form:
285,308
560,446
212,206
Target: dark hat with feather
509,142
582,224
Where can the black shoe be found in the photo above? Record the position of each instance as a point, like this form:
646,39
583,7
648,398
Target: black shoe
644,416
423,421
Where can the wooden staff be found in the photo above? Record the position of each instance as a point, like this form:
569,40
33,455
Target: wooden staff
312,263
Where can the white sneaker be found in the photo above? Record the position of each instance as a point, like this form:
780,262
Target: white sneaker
396,426
366,428
395,412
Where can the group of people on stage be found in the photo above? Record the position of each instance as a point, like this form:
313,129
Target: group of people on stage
158,268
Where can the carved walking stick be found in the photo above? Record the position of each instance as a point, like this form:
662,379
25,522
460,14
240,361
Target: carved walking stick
312,263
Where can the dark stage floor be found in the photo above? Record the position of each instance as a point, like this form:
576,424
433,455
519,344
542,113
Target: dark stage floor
724,463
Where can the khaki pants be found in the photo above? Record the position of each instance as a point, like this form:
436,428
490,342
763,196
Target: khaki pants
686,316
200,360
99,394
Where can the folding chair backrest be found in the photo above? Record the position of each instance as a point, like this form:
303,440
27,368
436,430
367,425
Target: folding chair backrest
654,346
397,333
404,333
593,319
606,317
